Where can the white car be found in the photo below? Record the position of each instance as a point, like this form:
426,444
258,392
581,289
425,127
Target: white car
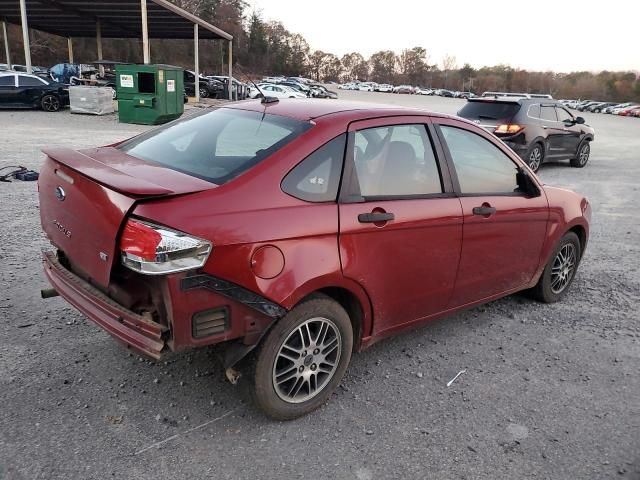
424,91
366,87
277,91
384,87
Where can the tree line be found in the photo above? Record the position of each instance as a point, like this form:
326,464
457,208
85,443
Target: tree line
268,48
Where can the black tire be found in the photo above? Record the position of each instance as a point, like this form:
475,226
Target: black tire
535,156
582,156
204,93
597,110
270,393
50,103
547,289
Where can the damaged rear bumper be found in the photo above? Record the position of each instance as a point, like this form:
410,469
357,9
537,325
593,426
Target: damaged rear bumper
136,331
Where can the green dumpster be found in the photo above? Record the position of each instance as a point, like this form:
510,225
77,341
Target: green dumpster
149,94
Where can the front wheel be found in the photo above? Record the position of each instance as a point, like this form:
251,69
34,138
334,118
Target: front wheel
303,359
560,271
583,156
50,103
204,93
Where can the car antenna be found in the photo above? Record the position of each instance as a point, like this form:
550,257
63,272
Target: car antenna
265,99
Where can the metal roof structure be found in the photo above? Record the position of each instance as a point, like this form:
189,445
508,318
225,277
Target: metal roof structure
118,18
108,19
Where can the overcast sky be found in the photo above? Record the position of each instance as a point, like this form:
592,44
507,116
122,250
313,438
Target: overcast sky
556,35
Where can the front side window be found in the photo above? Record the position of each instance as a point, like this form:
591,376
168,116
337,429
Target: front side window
317,177
563,115
216,145
482,168
29,81
395,161
548,113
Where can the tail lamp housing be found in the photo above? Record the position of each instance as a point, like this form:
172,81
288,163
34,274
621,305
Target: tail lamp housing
508,129
156,250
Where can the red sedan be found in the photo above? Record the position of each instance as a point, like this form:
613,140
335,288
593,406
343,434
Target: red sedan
307,229
631,111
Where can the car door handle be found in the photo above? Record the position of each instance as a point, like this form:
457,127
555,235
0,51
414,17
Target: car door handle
375,217
484,210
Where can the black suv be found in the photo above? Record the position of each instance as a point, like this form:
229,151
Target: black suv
208,88
537,129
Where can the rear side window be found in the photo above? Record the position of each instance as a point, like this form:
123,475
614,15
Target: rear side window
482,168
548,113
216,145
317,177
489,110
8,81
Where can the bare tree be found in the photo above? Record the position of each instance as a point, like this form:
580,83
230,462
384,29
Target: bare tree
449,62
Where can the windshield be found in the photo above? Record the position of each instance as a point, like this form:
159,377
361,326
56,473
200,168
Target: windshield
217,145
489,110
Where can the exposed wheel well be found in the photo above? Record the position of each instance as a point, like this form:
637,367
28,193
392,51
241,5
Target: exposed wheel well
582,236
350,303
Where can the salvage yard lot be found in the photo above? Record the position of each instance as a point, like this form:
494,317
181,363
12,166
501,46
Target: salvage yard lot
549,391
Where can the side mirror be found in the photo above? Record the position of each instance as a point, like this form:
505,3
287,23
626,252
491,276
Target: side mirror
526,184
579,120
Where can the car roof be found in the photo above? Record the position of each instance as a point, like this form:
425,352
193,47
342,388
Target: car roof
520,100
309,109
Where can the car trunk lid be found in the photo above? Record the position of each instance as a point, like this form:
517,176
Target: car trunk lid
85,196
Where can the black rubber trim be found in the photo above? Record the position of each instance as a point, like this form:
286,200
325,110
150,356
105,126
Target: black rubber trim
234,292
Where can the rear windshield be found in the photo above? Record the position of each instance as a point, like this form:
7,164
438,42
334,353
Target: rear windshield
489,110
216,145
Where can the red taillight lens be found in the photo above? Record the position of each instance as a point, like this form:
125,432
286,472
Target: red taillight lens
156,250
140,240
509,129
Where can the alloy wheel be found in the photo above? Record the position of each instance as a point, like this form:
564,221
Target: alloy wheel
50,103
584,154
535,157
563,268
307,360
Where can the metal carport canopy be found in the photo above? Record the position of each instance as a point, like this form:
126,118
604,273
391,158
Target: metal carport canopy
118,19
110,19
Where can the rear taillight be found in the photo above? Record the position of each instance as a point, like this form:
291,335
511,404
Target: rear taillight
508,129
155,250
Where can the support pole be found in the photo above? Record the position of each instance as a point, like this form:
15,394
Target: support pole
6,43
230,70
145,32
196,58
70,46
99,45
25,35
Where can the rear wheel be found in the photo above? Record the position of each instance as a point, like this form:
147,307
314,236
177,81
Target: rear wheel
535,157
583,155
303,358
50,103
560,271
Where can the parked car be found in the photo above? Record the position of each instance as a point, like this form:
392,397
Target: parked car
366,86
599,107
208,87
298,87
275,91
320,91
630,111
467,95
538,130
198,233
444,93
423,91
617,106
384,87
403,89
21,90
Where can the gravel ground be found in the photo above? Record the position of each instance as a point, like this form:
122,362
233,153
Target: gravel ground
550,391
